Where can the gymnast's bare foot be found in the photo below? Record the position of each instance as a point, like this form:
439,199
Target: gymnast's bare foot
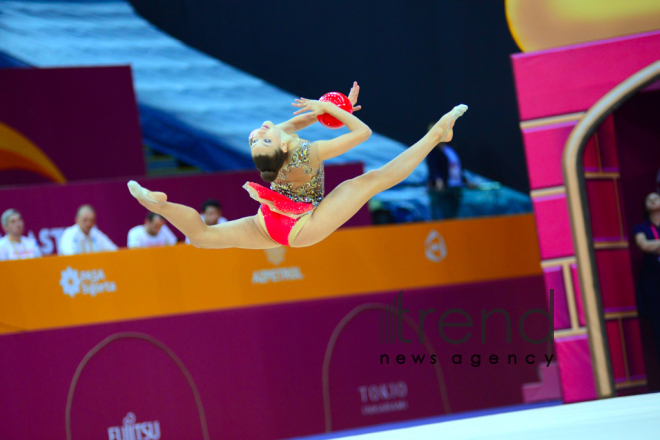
443,129
144,196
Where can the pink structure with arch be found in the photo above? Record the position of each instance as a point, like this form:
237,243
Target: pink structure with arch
555,88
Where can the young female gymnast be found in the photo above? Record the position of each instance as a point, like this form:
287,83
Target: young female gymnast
293,211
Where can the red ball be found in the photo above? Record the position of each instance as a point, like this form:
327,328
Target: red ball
341,101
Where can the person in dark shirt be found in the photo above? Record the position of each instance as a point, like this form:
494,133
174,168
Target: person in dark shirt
445,182
647,237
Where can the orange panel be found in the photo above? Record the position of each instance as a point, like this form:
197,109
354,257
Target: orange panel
131,284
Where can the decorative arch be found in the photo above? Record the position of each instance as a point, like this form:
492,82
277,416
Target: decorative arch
155,342
576,195
331,346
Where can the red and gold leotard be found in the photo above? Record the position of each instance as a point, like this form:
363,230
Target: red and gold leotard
292,197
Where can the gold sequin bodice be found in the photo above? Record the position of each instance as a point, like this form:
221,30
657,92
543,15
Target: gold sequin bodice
301,178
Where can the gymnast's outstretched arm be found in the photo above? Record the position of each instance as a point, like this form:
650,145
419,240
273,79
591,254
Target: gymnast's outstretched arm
299,122
359,131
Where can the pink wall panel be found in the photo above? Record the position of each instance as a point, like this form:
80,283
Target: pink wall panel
600,153
578,294
553,226
622,208
554,279
568,80
616,350
604,210
591,156
577,378
571,79
616,283
544,147
607,145
634,348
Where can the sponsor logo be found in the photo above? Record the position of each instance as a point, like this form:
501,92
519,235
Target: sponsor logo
383,398
88,282
135,431
276,275
434,247
276,257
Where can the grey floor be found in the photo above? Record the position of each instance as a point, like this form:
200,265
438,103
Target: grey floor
633,418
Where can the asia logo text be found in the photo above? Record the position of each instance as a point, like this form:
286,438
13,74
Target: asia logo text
88,282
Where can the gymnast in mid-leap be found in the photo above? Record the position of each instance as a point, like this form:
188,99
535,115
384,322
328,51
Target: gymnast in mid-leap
294,211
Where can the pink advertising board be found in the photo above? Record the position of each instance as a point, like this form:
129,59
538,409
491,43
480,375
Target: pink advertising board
572,78
276,371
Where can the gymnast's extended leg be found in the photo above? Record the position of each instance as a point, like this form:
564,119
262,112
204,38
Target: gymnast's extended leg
345,200
244,233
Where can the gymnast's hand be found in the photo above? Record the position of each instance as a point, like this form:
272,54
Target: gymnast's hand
311,105
318,108
353,96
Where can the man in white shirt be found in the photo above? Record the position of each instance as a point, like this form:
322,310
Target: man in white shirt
84,237
14,246
154,232
211,214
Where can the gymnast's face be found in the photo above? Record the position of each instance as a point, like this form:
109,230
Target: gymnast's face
264,140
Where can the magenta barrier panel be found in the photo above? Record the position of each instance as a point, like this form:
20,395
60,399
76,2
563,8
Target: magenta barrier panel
553,225
259,372
84,120
543,148
575,368
49,209
604,210
634,348
617,353
554,279
617,286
